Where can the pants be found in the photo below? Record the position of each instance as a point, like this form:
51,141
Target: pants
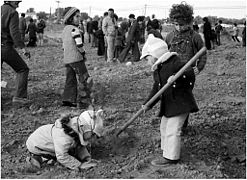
71,93
101,46
170,130
207,42
10,56
110,41
135,52
32,41
22,35
218,39
117,51
79,152
41,38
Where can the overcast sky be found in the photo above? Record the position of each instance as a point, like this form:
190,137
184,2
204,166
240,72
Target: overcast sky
219,8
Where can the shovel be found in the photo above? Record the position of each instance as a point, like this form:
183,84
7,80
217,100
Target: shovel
158,94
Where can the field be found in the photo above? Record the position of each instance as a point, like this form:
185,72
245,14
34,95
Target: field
214,147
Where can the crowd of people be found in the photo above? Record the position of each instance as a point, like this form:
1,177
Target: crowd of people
166,55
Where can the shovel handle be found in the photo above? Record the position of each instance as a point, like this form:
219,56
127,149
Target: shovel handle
158,94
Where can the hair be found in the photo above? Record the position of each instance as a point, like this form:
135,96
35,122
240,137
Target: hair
132,16
182,12
70,20
111,9
31,20
155,24
220,21
205,19
105,13
235,24
68,130
23,15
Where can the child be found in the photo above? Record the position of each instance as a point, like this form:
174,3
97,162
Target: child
66,140
74,59
120,38
31,30
176,102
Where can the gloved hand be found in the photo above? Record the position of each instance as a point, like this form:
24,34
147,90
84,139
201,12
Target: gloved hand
171,78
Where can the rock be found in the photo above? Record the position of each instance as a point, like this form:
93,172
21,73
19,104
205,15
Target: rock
41,110
95,69
128,63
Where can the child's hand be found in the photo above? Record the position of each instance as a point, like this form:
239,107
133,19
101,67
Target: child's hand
170,79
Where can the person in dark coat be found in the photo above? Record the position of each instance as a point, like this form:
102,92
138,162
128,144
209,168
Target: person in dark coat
10,38
22,26
131,41
244,35
218,31
176,102
32,30
207,32
90,30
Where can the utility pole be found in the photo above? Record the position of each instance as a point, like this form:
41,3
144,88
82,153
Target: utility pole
58,10
145,9
90,8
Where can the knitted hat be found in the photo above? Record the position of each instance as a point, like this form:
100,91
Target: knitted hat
70,12
154,47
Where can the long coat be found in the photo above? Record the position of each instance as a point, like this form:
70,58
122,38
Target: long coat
178,98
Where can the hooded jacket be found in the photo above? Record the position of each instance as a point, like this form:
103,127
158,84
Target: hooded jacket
53,140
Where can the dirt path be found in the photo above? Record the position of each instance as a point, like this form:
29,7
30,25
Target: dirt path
214,147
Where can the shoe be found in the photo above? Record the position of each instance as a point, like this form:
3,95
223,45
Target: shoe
163,162
34,160
20,100
70,104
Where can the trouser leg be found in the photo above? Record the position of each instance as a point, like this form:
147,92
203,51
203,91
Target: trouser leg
70,89
13,59
172,141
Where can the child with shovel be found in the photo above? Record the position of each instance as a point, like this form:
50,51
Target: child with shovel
66,140
176,102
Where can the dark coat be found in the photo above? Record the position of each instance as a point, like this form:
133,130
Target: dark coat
32,29
178,98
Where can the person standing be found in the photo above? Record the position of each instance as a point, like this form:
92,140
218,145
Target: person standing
132,40
109,29
207,32
218,30
32,30
235,33
40,30
22,26
184,40
89,30
10,36
244,34
76,92
175,103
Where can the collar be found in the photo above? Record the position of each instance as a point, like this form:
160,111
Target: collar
162,59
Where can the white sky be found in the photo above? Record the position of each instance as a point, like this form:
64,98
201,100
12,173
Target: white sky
219,8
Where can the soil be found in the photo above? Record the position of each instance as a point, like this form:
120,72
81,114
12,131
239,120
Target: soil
214,146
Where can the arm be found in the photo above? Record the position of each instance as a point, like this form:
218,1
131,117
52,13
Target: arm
62,146
14,30
79,44
154,90
104,27
198,44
